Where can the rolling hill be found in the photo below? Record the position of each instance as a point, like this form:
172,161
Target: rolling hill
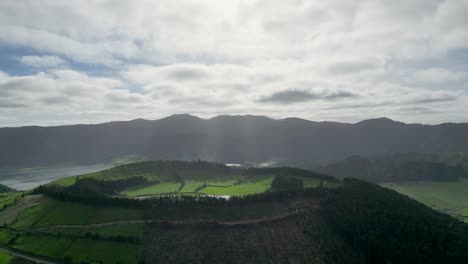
186,178
352,222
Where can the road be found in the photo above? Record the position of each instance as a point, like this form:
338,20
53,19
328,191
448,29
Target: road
187,222
34,259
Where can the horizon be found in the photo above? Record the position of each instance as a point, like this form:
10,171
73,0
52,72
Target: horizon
246,115
340,61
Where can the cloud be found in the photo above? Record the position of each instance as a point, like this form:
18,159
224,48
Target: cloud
42,61
124,96
351,67
438,75
7,104
56,100
149,59
300,96
434,97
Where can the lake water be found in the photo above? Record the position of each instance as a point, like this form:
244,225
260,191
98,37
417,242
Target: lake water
24,179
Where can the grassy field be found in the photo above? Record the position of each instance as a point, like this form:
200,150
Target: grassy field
80,250
160,188
5,258
232,187
257,185
445,196
134,230
54,212
64,182
191,185
5,236
9,214
8,199
464,214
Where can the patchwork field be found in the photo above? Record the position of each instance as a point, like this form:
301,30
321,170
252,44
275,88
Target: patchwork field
232,187
450,197
132,230
251,186
78,250
160,188
53,212
8,199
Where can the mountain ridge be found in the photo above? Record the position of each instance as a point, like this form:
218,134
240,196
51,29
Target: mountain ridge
229,139
174,116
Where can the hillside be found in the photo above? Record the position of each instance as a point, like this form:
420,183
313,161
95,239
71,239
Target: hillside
5,189
187,178
357,222
227,139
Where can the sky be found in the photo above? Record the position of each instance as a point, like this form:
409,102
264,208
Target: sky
75,61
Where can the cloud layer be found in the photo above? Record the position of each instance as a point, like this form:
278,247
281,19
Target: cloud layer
320,60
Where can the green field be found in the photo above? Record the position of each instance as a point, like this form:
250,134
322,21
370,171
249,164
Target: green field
64,182
53,212
5,236
5,258
160,188
80,250
451,197
252,186
8,199
134,230
191,185
233,187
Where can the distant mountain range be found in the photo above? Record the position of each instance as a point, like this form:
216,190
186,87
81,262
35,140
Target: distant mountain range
230,139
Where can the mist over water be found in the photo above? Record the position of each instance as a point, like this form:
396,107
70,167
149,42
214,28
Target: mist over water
28,178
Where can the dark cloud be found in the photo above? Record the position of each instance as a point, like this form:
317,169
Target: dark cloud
56,100
201,101
8,104
187,74
435,99
419,110
350,67
299,96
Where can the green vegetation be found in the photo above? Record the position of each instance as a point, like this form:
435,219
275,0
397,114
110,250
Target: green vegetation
184,178
10,198
449,197
134,230
388,227
439,195
5,236
191,186
160,188
5,258
5,189
354,222
250,186
10,214
282,182
64,182
53,212
78,249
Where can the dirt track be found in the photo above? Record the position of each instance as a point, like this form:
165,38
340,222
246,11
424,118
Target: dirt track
188,222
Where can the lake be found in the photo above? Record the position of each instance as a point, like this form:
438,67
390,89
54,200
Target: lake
28,178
